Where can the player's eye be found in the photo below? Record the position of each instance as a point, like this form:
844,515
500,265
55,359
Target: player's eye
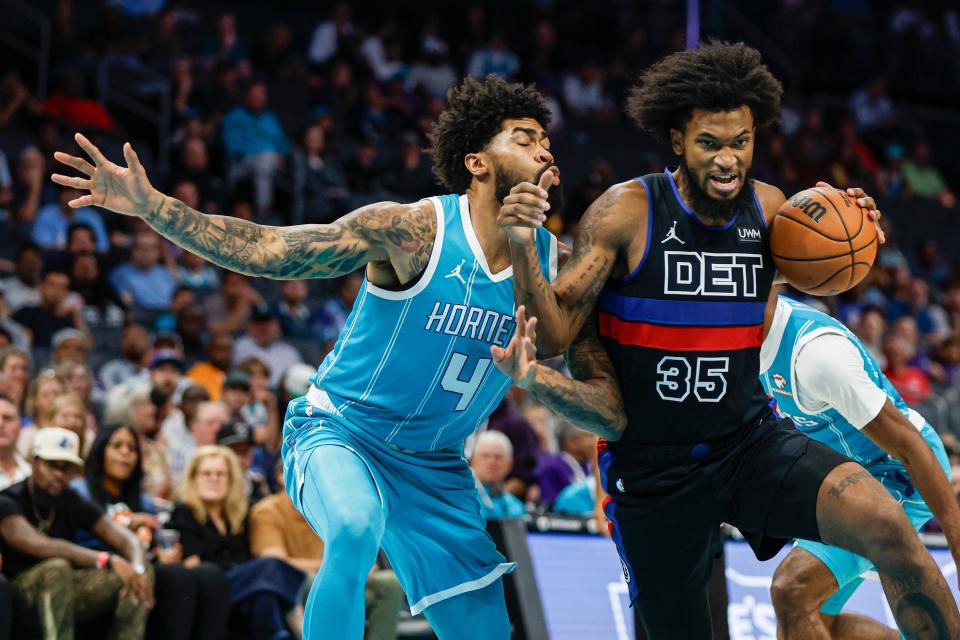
740,144
707,144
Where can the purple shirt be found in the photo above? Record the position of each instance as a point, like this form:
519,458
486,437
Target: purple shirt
556,471
508,419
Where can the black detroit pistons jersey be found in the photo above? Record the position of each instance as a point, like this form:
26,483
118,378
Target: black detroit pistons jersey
684,329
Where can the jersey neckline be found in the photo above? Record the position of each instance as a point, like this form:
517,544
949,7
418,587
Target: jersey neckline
474,243
676,192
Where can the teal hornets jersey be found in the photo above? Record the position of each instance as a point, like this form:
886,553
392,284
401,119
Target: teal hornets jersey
829,427
413,367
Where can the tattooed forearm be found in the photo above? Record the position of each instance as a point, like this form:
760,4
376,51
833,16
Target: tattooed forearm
561,308
377,232
586,405
851,479
591,400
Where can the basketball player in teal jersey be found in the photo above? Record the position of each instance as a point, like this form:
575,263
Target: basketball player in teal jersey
674,270
822,377
373,455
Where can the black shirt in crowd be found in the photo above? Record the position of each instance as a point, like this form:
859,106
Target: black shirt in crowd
73,515
206,541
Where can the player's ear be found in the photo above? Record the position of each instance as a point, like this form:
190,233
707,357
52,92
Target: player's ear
676,141
476,164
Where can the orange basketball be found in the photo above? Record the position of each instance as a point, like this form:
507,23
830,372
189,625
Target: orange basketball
822,241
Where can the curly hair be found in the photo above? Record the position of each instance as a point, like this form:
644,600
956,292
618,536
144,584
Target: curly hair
475,113
719,76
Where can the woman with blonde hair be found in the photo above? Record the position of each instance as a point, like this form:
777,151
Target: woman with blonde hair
211,515
41,392
69,412
15,367
80,382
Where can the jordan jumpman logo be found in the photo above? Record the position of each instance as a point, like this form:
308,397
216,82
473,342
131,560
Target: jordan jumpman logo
672,235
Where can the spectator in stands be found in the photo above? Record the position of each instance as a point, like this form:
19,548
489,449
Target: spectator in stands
175,430
68,412
50,315
50,226
278,530
16,334
870,330
495,58
584,91
325,191
412,177
6,188
15,367
262,340
872,107
41,393
229,310
166,375
211,515
203,427
140,414
238,437
292,311
329,318
237,395
571,465
134,349
924,180
13,468
144,281
211,373
433,72
255,144
22,289
262,411
191,602
196,273
50,575
79,381
69,345
491,462
329,35
508,419
28,187
912,383
194,166
99,303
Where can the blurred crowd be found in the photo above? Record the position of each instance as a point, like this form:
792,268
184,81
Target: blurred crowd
167,378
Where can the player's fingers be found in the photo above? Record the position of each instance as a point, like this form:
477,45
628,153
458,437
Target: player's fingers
547,179
824,185
521,319
91,149
874,214
498,353
82,201
513,217
528,199
855,192
528,187
529,350
867,202
133,160
71,181
79,164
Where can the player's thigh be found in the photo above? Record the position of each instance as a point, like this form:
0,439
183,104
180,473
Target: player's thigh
667,556
338,492
855,512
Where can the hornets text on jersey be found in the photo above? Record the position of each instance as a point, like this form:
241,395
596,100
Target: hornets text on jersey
413,367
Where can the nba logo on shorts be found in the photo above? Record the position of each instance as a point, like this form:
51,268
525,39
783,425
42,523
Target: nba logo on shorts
309,410
626,571
779,380
619,484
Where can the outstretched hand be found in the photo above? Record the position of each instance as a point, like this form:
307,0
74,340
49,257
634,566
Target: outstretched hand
863,200
124,190
519,359
524,209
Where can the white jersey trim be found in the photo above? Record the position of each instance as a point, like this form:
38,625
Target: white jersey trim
554,255
474,243
463,587
406,294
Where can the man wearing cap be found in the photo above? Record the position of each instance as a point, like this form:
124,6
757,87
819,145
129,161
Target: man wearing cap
262,340
55,582
237,435
69,345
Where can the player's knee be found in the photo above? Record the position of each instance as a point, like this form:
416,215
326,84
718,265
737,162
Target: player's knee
790,592
355,533
890,535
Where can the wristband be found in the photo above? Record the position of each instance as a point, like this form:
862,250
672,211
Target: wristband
103,560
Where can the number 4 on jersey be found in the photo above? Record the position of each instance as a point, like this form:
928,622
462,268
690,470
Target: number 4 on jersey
453,383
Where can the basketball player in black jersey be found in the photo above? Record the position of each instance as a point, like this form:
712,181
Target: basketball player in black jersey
674,270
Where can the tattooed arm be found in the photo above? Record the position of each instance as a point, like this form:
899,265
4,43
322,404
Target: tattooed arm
602,247
388,234
590,401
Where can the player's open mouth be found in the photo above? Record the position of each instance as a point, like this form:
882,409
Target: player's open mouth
725,182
